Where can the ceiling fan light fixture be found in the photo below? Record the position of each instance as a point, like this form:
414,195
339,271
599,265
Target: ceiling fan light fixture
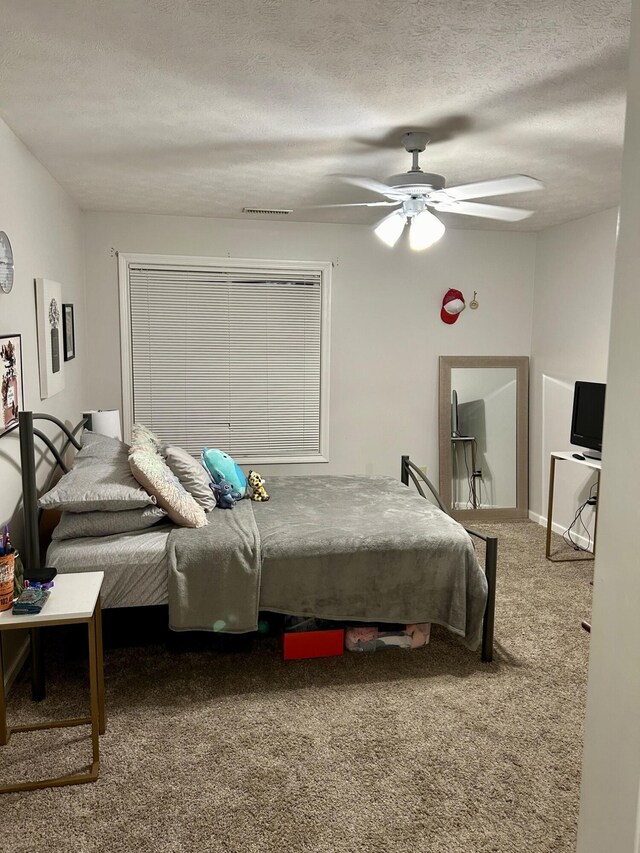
426,229
417,194
391,227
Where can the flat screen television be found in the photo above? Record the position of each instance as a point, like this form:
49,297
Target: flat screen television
588,417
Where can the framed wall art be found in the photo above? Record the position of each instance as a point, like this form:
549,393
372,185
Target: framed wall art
50,344
69,331
11,389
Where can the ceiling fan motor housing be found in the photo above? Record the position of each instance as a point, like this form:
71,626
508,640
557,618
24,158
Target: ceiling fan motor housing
415,140
416,183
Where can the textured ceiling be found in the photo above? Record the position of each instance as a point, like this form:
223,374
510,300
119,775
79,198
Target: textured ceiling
202,107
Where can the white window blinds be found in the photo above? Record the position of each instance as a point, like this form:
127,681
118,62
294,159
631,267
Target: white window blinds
228,358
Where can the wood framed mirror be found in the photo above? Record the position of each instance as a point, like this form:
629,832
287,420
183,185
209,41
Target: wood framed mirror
484,436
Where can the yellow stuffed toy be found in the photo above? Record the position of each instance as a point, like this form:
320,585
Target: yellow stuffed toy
257,484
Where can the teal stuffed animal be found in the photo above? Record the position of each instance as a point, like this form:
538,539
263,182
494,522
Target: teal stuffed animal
222,467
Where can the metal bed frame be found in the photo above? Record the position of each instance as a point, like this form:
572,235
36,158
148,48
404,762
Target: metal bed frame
31,556
411,471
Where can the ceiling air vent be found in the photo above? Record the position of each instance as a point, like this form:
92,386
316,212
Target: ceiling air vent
267,211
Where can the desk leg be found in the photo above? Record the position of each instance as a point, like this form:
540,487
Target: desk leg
38,684
595,520
100,667
95,702
552,477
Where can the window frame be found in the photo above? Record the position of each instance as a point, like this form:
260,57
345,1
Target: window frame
262,266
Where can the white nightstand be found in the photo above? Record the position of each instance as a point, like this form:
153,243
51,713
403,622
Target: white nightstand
74,598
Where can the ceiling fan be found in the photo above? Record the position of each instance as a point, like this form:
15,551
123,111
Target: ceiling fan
418,195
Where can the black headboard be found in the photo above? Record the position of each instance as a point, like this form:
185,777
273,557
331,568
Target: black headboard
28,433
31,556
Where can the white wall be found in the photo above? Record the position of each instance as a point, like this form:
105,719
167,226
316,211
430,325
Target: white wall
610,809
570,340
386,332
45,229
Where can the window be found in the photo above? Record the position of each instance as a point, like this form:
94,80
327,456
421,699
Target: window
228,353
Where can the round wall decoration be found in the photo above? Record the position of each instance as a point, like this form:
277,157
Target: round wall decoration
6,264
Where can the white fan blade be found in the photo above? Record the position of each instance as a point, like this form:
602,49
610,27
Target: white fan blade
487,211
370,184
484,189
354,204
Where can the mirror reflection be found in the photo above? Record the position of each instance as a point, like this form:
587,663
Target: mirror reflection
483,437
483,428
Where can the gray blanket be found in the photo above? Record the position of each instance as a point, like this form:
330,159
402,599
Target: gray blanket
214,573
367,549
344,548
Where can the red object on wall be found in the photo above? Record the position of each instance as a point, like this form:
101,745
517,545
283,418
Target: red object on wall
312,644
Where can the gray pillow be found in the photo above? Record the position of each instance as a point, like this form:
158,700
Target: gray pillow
76,525
191,474
100,480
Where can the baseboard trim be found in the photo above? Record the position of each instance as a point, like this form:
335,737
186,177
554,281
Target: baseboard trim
558,528
19,660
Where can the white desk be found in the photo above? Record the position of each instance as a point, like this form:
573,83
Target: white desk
74,598
567,456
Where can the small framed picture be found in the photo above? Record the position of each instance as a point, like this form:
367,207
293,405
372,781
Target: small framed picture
50,343
11,390
69,332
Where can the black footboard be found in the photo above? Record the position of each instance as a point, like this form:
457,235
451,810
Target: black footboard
412,472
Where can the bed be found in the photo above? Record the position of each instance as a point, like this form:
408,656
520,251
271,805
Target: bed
346,548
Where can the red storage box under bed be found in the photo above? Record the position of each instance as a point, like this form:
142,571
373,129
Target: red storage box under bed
312,644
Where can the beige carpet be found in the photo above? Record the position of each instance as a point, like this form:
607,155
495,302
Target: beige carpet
428,751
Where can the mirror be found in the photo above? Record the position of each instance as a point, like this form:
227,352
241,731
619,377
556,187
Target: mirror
484,436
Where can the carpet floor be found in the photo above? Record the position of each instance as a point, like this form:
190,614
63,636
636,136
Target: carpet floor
428,751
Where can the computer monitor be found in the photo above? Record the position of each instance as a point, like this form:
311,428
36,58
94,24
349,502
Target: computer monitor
588,417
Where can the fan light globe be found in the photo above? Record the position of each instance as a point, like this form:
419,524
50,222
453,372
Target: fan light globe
391,227
426,229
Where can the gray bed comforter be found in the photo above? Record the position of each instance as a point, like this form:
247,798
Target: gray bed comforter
214,573
344,548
